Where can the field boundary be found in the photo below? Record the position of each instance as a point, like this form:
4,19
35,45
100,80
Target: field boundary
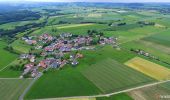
6,66
107,95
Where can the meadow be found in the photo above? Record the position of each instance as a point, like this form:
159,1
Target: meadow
161,38
11,89
63,83
6,56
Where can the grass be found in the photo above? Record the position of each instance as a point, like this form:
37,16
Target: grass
11,89
111,76
20,46
7,72
161,38
6,57
152,49
121,96
71,28
63,83
151,69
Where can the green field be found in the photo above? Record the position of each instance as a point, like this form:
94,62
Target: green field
11,89
63,83
162,38
157,51
71,28
6,57
20,46
111,76
121,96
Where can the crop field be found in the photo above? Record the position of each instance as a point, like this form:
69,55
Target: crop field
110,76
151,69
158,51
11,89
7,72
63,83
161,38
151,93
5,57
73,28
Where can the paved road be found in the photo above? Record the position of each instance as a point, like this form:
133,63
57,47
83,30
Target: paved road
29,86
107,95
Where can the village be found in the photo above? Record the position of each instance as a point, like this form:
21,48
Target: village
53,49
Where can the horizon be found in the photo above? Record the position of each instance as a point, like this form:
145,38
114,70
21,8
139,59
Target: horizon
89,1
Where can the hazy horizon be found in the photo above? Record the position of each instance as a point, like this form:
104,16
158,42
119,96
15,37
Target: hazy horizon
113,1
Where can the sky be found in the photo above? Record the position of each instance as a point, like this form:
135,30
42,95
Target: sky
86,0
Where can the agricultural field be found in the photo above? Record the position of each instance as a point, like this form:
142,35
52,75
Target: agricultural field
6,56
20,46
161,38
157,92
11,89
111,76
64,83
151,69
158,51
84,49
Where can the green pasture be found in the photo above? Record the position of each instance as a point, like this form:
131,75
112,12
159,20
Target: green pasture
6,57
11,89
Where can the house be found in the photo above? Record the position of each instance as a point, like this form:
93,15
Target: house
74,63
24,56
55,64
65,35
42,64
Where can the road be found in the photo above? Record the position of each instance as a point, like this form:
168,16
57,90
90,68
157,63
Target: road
110,94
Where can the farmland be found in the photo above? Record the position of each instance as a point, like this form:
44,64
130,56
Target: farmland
151,69
152,93
84,49
6,57
105,73
58,85
14,87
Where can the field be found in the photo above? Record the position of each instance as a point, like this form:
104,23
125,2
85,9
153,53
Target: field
71,28
151,69
161,38
110,76
63,83
155,49
6,57
20,46
151,93
11,89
